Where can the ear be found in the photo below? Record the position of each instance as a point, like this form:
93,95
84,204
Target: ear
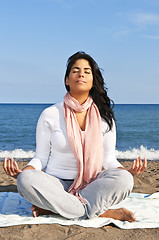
67,81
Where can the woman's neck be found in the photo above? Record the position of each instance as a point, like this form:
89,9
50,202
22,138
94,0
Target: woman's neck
81,98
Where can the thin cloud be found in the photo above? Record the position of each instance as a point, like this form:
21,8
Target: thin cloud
151,37
62,3
144,24
144,19
121,33
52,1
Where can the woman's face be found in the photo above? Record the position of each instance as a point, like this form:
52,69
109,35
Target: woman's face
80,78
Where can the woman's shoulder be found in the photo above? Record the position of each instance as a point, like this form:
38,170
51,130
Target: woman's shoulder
105,127
53,110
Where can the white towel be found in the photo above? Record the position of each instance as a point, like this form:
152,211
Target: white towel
15,210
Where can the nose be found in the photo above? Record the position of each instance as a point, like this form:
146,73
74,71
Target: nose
81,73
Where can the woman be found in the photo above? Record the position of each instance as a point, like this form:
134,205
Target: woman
74,140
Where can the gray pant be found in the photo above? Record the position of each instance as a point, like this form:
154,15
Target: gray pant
48,192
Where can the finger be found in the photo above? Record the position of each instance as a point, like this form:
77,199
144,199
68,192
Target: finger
141,168
137,167
5,166
145,163
137,163
10,167
17,167
14,167
133,164
140,163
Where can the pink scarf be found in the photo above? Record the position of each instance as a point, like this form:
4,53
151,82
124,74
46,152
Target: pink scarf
89,154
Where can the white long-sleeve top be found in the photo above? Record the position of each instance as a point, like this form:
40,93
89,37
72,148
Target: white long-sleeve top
53,152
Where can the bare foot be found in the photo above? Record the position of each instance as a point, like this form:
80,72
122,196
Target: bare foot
36,211
121,214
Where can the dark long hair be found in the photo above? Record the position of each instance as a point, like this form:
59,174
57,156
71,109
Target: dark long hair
98,92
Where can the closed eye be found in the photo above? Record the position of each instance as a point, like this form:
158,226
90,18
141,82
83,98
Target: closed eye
86,70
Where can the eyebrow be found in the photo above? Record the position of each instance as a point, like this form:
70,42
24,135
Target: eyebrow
84,68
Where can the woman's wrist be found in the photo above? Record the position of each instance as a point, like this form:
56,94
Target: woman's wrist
28,167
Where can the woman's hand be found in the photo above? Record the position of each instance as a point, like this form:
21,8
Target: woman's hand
11,167
138,166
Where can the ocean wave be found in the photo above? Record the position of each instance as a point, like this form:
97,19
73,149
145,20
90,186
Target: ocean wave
17,153
150,154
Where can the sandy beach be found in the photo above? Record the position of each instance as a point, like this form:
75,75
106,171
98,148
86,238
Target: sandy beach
148,182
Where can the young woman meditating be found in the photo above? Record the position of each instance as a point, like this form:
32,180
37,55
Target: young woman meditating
75,139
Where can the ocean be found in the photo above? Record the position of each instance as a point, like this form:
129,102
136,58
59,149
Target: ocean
137,130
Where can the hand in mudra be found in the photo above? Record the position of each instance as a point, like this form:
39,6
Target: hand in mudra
11,167
138,166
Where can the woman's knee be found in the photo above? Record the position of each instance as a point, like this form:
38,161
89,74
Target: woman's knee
25,179
119,177
126,179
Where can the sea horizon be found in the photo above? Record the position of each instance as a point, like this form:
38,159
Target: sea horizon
59,101
136,124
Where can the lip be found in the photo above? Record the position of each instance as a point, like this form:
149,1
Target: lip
80,81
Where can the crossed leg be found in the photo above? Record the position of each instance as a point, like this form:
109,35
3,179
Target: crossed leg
49,195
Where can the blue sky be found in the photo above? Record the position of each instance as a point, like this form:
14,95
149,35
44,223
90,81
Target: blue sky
38,36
